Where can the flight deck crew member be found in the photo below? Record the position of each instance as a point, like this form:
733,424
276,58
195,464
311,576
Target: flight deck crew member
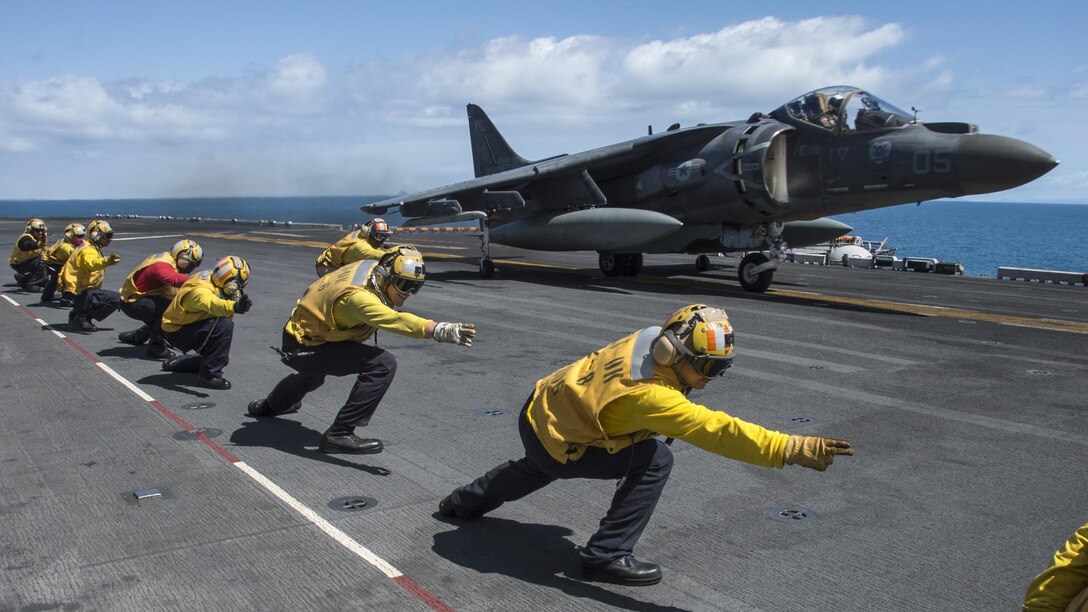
597,418
325,336
365,243
82,277
26,255
1062,587
57,255
199,319
151,287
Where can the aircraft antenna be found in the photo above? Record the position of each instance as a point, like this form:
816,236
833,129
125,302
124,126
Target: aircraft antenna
916,111
650,130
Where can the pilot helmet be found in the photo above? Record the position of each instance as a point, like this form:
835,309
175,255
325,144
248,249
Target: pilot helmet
230,275
187,254
700,335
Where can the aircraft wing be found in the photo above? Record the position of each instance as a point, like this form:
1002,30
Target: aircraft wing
561,182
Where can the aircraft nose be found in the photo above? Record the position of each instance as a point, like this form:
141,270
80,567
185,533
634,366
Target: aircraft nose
988,162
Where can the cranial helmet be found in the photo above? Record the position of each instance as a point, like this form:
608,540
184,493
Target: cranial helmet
230,274
74,233
188,255
36,227
100,233
377,231
404,268
700,335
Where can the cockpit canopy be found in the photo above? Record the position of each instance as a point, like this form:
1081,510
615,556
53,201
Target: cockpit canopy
843,108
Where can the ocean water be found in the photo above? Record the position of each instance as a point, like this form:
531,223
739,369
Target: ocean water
979,235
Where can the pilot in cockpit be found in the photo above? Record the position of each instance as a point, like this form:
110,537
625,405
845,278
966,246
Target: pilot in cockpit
817,110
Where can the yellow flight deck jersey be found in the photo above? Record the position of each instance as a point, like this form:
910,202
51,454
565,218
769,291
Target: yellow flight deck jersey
59,252
130,293
617,396
84,270
18,255
1064,585
345,306
349,249
197,300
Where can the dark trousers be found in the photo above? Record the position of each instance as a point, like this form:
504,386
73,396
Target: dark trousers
52,272
30,274
149,310
375,368
96,304
210,339
644,468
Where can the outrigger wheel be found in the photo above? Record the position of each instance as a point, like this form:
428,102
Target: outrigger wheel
757,282
487,268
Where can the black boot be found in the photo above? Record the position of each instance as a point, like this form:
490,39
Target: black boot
260,408
348,444
158,350
84,323
626,570
136,336
214,382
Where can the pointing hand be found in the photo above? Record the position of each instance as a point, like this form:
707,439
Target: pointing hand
813,452
455,333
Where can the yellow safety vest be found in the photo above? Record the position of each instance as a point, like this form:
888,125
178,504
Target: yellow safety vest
566,405
130,293
312,321
176,316
357,243
84,270
59,252
19,256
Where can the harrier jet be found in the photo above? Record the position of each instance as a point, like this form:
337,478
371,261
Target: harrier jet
754,186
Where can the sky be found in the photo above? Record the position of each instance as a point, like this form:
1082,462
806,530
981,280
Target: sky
112,99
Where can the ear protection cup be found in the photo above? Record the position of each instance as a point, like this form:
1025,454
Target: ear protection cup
663,351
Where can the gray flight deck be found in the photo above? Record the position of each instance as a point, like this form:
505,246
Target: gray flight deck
965,399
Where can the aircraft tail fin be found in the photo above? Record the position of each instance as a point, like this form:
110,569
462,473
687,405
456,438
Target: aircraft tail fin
490,152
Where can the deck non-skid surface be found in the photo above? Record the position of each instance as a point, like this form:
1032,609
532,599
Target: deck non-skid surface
964,399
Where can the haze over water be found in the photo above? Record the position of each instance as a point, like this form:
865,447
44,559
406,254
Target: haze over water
980,235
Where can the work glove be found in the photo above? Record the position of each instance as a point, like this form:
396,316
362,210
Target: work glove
455,333
813,452
243,304
113,259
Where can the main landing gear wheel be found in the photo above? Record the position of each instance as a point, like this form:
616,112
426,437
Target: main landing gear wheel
620,264
487,268
609,264
702,263
756,282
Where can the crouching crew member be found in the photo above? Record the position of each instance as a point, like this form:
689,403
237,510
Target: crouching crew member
361,244
1062,587
597,418
57,255
325,336
199,319
82,277
26,255
149,289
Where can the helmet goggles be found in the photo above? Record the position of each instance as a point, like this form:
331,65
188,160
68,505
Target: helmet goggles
707,365
407,286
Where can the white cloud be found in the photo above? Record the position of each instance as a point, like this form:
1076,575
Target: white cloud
296,82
